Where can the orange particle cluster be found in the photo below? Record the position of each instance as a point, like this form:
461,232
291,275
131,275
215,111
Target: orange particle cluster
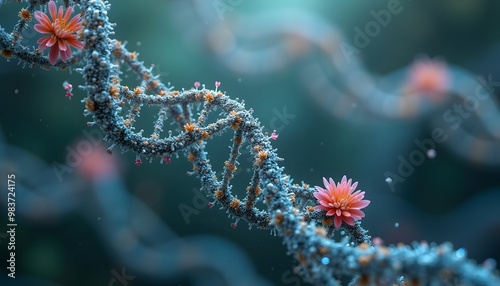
25,15
137,90
205,135
235,204
261,156
219,194
114,90
209,97
6,54
90,105
230,166
189,127
237,121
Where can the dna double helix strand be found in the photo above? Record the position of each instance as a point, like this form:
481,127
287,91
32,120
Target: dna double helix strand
272,201
132,233
274,40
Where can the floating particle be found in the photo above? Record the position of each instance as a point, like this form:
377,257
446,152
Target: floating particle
396,225
461,253
138,43
325,260
431,153
388,180
16,91
377,241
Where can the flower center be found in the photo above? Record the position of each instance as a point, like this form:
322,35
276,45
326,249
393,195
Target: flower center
339,204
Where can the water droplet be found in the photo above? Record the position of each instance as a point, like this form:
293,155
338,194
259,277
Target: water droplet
431,153
396,225
325,260
461,253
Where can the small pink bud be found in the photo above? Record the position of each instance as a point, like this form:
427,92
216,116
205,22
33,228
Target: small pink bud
274,135
68,87
138,162
167,159
197,84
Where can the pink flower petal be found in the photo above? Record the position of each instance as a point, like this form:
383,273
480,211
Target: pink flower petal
330,212
42,29
68,13
360,204
52,9
54,53
357,214
349,220
62,45
51,41
325,182
43,42
337,221
43,19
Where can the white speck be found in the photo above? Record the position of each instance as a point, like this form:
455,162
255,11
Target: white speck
325,260
431,153
16,91
396,225
461,253
138,43
388,180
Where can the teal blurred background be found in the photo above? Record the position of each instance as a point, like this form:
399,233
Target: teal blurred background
37,117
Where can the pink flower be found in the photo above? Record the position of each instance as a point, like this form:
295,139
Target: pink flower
61,33
430,77
340,201
197,84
